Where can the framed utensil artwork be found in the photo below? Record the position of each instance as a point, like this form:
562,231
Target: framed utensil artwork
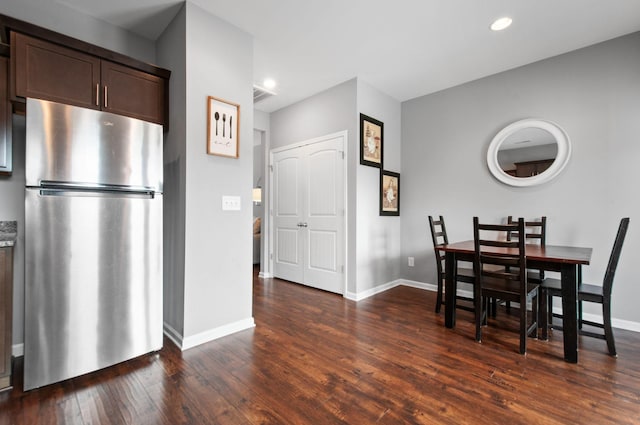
223,122
389,193
371,141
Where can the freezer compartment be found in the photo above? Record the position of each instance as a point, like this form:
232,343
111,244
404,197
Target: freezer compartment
93,282
70,144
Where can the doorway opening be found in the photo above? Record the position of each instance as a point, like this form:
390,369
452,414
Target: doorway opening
258,185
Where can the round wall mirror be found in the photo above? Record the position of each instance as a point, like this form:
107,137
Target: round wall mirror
528,152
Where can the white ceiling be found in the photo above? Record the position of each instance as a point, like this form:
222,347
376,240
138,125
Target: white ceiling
405,48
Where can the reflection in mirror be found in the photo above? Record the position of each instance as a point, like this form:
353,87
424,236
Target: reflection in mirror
527,152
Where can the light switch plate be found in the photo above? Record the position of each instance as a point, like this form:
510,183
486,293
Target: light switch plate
231,203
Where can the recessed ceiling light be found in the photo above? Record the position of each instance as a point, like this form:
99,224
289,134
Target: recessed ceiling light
269,83
501,23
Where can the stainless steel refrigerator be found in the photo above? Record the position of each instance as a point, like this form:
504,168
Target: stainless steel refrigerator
93,247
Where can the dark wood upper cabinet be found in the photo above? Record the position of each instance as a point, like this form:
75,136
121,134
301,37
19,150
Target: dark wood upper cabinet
51,66
532,168
48,71
133,93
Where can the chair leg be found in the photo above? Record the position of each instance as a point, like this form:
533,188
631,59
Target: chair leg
542,313
494,307
508,307
479,310
579,314
535,314
608,332
523,326
486,308
550,311
439,296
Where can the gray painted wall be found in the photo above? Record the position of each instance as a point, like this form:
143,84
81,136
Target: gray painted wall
218,266
593,93
208,267
57,16
327,112
378,239
172,55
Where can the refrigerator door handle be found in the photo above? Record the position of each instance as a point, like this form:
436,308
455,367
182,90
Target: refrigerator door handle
49,185
95,194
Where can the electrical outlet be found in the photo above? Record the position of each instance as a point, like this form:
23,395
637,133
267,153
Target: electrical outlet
411,261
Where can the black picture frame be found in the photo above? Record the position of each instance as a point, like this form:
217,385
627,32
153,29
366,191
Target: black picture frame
371,141
389,193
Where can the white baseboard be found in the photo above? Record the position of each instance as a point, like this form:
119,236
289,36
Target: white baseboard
404,282
418,285
17,350
615,323
359,296
265,275
431,287
172,334
210,335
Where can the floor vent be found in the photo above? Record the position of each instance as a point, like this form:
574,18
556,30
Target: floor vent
260,93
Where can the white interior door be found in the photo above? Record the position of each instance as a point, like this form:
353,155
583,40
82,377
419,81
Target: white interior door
308,213
288,215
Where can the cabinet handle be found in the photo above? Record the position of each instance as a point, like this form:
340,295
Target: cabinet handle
98,94
106,97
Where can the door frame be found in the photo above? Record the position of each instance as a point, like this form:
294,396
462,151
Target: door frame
345,238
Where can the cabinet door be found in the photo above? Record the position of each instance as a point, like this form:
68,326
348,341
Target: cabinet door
543,165
52,72
6,312
525,170
5,120
133,93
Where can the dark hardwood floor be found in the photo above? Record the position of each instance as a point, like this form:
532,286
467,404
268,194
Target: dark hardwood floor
316,358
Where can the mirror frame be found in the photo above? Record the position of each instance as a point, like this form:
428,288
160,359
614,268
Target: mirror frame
562,158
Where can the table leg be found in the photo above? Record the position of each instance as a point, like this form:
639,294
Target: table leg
450,290
570,312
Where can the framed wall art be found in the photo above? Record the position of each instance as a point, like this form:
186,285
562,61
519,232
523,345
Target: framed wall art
371,141
223,122
389,193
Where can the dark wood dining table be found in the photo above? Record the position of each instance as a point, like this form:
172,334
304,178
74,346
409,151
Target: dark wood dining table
563,259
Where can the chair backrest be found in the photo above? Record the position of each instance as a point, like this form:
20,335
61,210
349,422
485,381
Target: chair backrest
439,237
509,254
535,230
607,283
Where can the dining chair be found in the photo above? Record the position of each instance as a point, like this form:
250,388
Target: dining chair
500,269
463,274
600,294
535,232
